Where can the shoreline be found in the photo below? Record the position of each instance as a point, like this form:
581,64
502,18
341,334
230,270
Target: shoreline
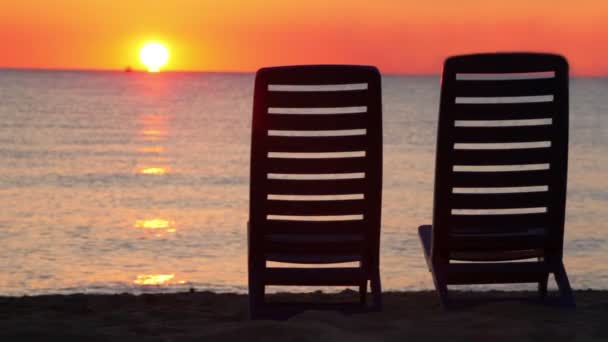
197,316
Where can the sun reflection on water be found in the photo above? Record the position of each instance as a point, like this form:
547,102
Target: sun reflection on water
153,127
156,170
151,149
152,224
153,132
154,279
157,225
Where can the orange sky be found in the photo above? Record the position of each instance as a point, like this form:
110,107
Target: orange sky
400,36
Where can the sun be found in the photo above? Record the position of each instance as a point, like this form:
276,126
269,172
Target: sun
154,55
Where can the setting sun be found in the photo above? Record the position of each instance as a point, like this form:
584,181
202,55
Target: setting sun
154,55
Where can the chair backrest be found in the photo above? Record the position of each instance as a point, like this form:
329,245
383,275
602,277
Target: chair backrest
502,154
316,156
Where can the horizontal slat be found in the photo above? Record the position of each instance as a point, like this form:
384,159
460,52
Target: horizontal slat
505,63
496,223
502,111
316,165
505,99
496,231
505,76
494,255
317,122
501,134
504,87
319,74
308,248
315,238
496,239
317,110
316,144
308,244
499,201
319,208
317,99
314,227
502,123
318,276
502,157
501,179
318,258
315,187
496,273
499,243
317,87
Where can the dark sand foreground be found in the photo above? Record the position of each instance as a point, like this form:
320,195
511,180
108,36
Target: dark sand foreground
205,316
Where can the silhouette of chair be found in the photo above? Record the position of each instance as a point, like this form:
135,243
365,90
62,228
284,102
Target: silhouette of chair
316,177
500,173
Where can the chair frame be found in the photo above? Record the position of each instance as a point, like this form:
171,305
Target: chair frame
506,256
262,228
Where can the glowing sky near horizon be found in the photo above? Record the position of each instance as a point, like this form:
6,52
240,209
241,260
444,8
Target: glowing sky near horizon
399,36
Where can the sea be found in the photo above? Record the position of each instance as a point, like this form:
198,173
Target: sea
136,182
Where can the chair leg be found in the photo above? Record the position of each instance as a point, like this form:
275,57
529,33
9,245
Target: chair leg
441,285
543,282
542,286
256,299
256,292
376,288
563,284
363,293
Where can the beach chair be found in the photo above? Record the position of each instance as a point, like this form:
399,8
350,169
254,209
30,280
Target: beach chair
500,173
316,180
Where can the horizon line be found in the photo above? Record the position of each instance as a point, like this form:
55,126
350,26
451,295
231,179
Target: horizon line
391,73
219,71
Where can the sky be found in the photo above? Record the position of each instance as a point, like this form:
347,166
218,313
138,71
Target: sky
398,36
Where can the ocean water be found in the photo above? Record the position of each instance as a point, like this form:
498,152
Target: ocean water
113,182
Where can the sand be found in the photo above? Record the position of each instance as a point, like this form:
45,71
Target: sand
206,316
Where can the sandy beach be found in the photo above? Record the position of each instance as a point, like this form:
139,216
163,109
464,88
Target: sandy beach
206,316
